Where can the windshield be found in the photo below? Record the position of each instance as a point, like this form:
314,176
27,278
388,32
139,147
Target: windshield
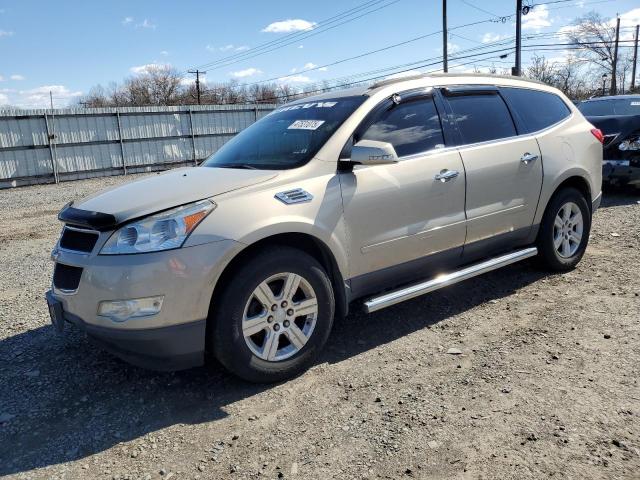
286,138
618,106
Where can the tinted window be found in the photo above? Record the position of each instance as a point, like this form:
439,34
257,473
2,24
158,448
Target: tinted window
481,117
286,138
537,109
411,127
621,106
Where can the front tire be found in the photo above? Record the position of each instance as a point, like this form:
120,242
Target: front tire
274,316
564,232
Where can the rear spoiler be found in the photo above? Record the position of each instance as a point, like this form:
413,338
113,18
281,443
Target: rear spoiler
86,218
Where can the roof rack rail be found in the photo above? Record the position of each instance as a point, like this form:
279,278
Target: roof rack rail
391,81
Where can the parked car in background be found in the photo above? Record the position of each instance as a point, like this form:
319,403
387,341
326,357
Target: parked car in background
619,119
379,193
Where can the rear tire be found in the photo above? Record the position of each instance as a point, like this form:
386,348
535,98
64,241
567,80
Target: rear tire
564,231
264,331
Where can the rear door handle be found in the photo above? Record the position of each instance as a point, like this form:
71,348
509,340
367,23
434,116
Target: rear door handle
446,175
528,158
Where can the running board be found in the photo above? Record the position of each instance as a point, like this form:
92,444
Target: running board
413,291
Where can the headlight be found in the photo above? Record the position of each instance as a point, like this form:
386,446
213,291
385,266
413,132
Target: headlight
162,231
631,144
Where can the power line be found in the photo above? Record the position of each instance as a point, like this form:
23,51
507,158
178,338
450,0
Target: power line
304,35
388,47
289,36
479,8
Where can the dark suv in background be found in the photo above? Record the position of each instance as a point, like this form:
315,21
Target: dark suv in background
619,119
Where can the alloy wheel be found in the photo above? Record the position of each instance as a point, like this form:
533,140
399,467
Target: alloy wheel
567,230
280,316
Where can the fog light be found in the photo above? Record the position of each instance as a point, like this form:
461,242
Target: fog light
123,310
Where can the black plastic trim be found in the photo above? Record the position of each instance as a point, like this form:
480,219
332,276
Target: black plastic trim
469,90
86,218
176,347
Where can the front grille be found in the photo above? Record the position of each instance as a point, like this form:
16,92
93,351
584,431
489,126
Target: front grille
78,240
66,277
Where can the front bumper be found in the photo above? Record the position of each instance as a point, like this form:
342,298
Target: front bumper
172,339
169,348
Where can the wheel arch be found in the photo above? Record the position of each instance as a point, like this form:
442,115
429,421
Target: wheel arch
579,183
574,178
306,242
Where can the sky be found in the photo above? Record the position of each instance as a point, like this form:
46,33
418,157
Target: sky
67,47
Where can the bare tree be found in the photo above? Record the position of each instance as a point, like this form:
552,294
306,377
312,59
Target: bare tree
155,86
596,38
540,69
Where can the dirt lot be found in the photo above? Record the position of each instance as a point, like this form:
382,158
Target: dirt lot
547,384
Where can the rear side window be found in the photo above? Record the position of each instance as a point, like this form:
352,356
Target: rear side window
411,127
613,106
481,118
538,110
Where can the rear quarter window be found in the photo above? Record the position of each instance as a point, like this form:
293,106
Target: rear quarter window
538,110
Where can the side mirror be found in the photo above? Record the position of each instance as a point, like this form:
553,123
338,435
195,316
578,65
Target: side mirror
371,152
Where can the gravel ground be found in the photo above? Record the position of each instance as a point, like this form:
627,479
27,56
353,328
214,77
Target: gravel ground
515,374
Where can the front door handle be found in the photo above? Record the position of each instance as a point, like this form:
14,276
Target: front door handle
446,175
528,158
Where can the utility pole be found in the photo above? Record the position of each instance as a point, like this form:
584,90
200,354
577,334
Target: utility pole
197,74
613,90
445,63
635,61
517,69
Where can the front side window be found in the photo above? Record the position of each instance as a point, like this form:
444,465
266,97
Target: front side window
537,109
481,117
411,127
286,138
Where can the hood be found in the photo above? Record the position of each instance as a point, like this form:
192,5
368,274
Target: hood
167,190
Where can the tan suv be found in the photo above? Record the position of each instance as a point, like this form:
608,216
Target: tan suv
381,193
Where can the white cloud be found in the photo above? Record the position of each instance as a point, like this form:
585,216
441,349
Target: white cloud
127,20
291,25
452,47
308,66
39,97
5,33
249,72
295,79
4,100
137,70
492,37
300,46
227,48
146,23
628,19
1,78
191,80
537,18
16,77
164,53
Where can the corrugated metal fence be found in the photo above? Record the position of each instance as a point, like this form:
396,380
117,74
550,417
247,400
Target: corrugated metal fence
44,146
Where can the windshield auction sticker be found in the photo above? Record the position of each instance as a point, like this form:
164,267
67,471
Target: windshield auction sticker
305,125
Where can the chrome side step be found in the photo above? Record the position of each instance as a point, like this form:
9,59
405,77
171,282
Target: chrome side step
413,291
